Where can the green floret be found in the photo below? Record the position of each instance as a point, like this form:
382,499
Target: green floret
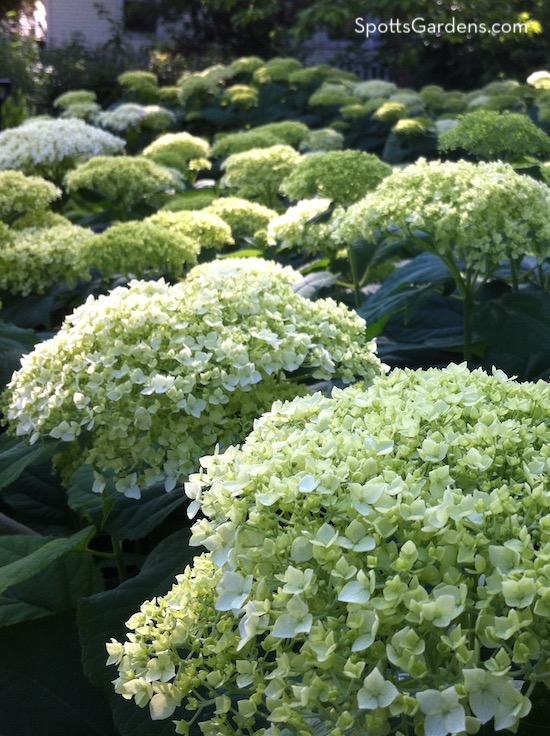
139,248
490,135
75,97
343,176
182,151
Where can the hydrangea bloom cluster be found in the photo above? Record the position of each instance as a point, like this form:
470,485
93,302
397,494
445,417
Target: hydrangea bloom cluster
51,147
243,141
290,231
197,87
131,115
259,173
241,95
332,94
245,65
490,135
324,139
291,132
243,217
142,85
343,176
277,69
20,194
125,180
87,111
482,213
149,378
75,97
38,258
390,112
140,247
206,228
181,151
539,80
374,88
378,562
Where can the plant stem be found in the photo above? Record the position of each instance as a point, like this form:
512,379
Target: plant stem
468,308
120,566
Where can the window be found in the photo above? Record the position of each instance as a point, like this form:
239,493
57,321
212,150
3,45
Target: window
140,17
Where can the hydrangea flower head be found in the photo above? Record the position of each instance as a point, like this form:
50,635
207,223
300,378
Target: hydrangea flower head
343,176
375,558
52,147
20,194
181,151
481,213
258,173
142,382
206,228
243,216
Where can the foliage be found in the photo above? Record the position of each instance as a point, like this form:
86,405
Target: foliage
182,368
489,135
343,176
358,573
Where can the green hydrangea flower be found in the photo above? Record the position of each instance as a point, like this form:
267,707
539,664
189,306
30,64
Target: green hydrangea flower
36,259
241,95
490,135
245,65
182,151
206,228
333,94
246,140
142,85
277,69
75,97
374,88
124,180
390,112
324,139
86,111
39,219
244,218
132,116
49,148
147,379
539,80
343,176
291,132
378,561
481,213
289,230
197,88
139,248
259,173
20,194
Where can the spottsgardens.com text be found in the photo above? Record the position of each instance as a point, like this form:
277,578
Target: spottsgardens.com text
368,27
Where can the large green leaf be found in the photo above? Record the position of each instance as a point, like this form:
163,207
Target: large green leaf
121,517
423,274
69,577
14,342
16,455
516,327
42,687
103,615
15,569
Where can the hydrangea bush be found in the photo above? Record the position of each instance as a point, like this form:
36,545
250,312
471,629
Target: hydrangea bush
36,259
20,194
377,561
125,181
244,218
259,173
142,382
343,176
206,228
489,135
246,140
50,148
182,151
290,230
137,248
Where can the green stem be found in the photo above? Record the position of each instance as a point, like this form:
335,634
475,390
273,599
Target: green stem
119,557
355,278
515,273
468,306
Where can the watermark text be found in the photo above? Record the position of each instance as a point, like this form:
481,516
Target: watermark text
367,27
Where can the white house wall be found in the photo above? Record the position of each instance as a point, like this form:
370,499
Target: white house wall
65,18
